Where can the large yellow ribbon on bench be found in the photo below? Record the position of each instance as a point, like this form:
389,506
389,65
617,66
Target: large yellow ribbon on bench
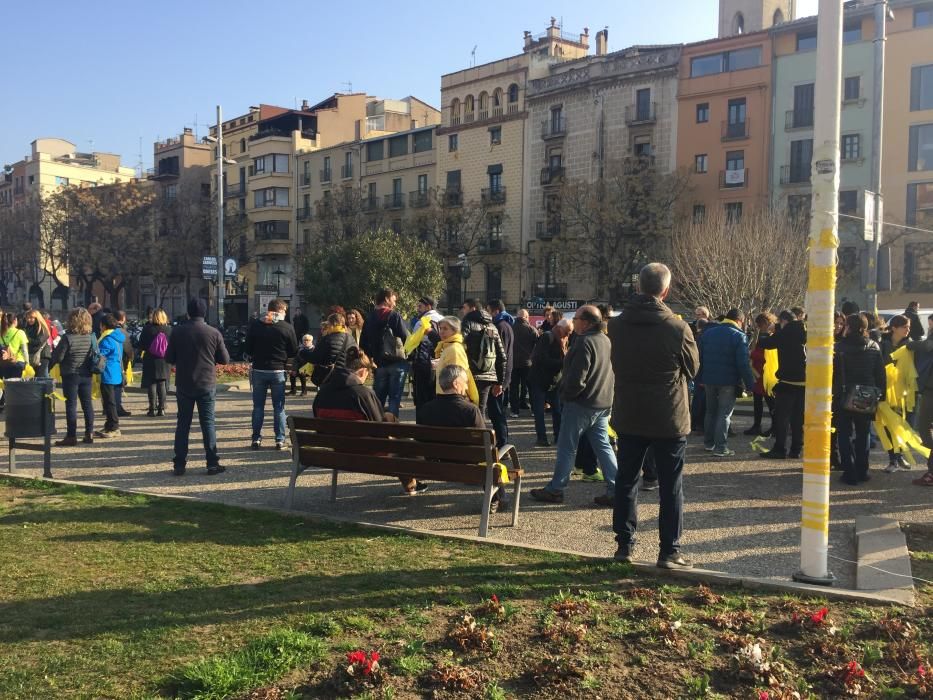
503,472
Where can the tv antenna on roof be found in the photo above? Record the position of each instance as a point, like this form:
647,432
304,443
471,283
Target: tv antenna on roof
473,56
349,86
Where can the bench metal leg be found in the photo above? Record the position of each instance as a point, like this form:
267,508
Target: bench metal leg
515,498
290,494
47,458
488,491
12,467
333,487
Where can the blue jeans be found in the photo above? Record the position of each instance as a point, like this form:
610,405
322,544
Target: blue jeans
205,403
538,398
720,402
669,462
577,420
389,383
274,381
76,387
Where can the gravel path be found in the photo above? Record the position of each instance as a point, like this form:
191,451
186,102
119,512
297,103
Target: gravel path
741,515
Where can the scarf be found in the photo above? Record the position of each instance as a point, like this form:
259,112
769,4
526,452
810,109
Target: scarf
455,338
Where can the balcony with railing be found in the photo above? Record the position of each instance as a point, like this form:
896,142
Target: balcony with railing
305,179
396,200
490,244
304,213
735,131
370,203
795,174
281,133
733,179
493,195
552,175
418,199
553,128
552,290
326,175
637,164
237,189
162,173
546,230
641,114
346,171
453,197
798,119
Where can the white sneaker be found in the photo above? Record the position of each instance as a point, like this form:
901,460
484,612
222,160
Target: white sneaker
709,449
903,463
892,467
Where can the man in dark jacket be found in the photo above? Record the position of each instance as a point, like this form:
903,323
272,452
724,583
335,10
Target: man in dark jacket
301,324
916,327
654,355
504,322
486,355
383,340
586,396
790,341
522,347
270,343
725,362
196,349
422,372
547,361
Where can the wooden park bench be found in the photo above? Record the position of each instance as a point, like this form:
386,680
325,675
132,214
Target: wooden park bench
458,455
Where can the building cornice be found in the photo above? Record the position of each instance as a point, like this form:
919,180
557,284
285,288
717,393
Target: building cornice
517,116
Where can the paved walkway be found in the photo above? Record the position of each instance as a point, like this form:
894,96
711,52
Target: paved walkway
741,517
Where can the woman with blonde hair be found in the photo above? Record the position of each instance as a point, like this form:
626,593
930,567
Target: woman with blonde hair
38,334
73,357
451,351
153,341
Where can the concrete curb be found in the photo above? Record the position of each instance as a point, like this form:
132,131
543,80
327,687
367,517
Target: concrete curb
897,595
883,560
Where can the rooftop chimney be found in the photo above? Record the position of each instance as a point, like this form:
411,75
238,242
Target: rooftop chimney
305,105
528,39
602,42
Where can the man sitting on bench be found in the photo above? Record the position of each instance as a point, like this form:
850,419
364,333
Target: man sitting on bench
345,396
452,409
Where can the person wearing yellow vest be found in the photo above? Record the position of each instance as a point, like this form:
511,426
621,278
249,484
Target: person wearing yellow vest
451,351
790,341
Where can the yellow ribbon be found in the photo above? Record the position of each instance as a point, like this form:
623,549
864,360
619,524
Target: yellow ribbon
414,340
306,369
503,471
769,378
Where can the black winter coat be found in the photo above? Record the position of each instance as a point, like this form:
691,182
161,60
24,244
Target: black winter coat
524,344
857,360
71,354
790,342
155,369
329,353
547,361
472,327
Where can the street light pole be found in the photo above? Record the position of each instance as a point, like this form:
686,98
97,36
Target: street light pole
881,18
220,219
821,298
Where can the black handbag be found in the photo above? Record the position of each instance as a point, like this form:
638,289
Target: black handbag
860,398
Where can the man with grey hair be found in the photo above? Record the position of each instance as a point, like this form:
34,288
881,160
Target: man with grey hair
586,394
654,355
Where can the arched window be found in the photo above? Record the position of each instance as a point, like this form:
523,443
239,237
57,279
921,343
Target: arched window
483,106
513,98
497,102
469,109
778,17
738,23
455,112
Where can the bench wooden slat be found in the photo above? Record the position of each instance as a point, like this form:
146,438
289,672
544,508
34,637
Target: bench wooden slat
467,454
422,433
471,474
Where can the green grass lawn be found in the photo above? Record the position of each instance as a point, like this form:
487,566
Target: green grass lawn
105,595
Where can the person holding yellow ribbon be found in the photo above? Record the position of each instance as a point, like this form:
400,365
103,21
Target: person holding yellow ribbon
898,336
923,361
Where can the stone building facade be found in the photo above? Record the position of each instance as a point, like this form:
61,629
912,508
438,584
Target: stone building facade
585,117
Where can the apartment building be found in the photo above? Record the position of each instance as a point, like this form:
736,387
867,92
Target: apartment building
587,118
481,157
907,164
52,163
724,123
265,184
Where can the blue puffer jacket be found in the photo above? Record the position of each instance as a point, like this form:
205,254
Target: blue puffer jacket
111,347
724,356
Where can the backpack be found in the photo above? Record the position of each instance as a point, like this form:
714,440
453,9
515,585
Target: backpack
482,355
158,346
391,348
97,363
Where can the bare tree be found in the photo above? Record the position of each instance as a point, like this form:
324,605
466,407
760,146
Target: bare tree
610,227
23,229
754,264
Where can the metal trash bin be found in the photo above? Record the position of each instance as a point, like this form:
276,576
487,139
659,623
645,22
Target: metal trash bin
28,409
29,415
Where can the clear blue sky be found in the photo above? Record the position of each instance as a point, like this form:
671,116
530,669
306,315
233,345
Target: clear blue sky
113,71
